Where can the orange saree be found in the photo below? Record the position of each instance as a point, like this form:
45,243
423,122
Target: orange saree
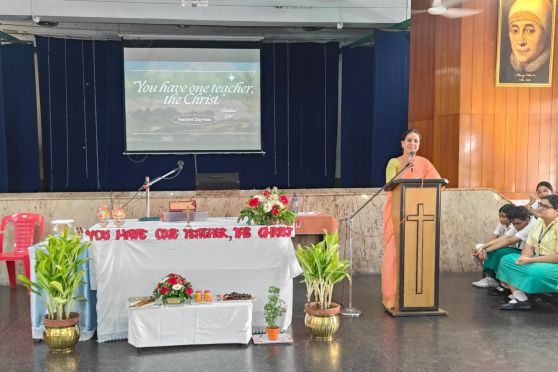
423,168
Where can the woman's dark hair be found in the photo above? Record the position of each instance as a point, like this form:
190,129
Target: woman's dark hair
545,184
553,200
409,131
520,213
506,208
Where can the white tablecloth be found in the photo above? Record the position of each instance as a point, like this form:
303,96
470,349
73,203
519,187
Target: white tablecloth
128,268
217,323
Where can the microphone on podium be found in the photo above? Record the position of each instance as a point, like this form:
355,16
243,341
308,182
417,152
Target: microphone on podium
413,154
180,164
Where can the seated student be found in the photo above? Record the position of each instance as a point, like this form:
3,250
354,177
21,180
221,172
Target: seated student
501,228
504,226
543,189
535,270
511,242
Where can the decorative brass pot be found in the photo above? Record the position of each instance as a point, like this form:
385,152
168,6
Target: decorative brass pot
322,323
61,335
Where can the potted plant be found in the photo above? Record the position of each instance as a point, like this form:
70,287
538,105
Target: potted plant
59,273
273,309
268,208
322,269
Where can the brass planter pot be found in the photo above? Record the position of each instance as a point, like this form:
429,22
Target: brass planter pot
323,324
61,335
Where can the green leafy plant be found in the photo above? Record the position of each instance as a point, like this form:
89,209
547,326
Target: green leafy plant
274,308
59,274
269,207
322,268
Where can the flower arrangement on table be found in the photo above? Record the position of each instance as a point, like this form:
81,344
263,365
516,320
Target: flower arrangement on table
268,208
173,288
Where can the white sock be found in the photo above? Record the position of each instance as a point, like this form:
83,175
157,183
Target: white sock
520,295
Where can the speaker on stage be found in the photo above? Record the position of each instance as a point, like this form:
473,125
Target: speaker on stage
217,181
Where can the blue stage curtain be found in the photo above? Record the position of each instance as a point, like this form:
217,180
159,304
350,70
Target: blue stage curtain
83,125
357,110
391,99
18,119
374,107
3,152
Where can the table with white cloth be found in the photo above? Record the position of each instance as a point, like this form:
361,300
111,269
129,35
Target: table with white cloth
86,309
133,264
223,322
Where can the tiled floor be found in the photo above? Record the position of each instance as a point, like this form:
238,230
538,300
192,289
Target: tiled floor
474,336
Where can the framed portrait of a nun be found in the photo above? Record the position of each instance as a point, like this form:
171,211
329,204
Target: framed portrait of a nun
525,43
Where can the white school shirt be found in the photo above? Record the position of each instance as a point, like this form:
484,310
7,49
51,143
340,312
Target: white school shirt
502,229
523,233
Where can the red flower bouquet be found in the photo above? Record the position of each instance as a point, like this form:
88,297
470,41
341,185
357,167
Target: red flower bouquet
267,208
173,286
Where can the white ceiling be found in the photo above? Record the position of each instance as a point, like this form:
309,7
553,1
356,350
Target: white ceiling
289,20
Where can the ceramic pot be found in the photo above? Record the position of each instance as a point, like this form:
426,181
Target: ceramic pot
272,333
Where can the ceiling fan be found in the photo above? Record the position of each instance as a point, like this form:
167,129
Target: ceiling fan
447,9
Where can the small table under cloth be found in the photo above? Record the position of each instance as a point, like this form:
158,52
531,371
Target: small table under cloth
223,322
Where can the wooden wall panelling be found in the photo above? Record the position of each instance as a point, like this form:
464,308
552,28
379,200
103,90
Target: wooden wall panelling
478,63
533,97
545,128
498,148
475,149
510,152
421,74
489,79
466,68
553,169
521,151
487,150
426,129
453,52
448,144
439,65
533,153
505,137
464,164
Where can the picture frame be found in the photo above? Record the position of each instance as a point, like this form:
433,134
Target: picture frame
525,48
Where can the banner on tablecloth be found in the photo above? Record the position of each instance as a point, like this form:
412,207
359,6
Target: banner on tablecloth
192,233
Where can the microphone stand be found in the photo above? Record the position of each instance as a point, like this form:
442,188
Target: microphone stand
147,184
350,310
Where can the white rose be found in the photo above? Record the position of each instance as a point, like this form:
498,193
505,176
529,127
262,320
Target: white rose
267,207
177,287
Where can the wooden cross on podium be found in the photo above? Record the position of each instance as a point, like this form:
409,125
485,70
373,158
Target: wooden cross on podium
420,218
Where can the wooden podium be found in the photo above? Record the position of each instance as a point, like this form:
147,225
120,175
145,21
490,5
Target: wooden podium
415,210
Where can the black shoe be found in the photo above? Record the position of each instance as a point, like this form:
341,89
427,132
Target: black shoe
516,305
498,291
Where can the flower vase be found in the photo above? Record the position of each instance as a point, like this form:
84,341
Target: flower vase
173,300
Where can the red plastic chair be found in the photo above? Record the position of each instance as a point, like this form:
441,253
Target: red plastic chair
24,231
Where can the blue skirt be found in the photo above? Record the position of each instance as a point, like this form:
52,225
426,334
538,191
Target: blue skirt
540,277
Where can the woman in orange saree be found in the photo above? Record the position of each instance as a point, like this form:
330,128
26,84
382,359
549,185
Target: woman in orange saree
421,168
